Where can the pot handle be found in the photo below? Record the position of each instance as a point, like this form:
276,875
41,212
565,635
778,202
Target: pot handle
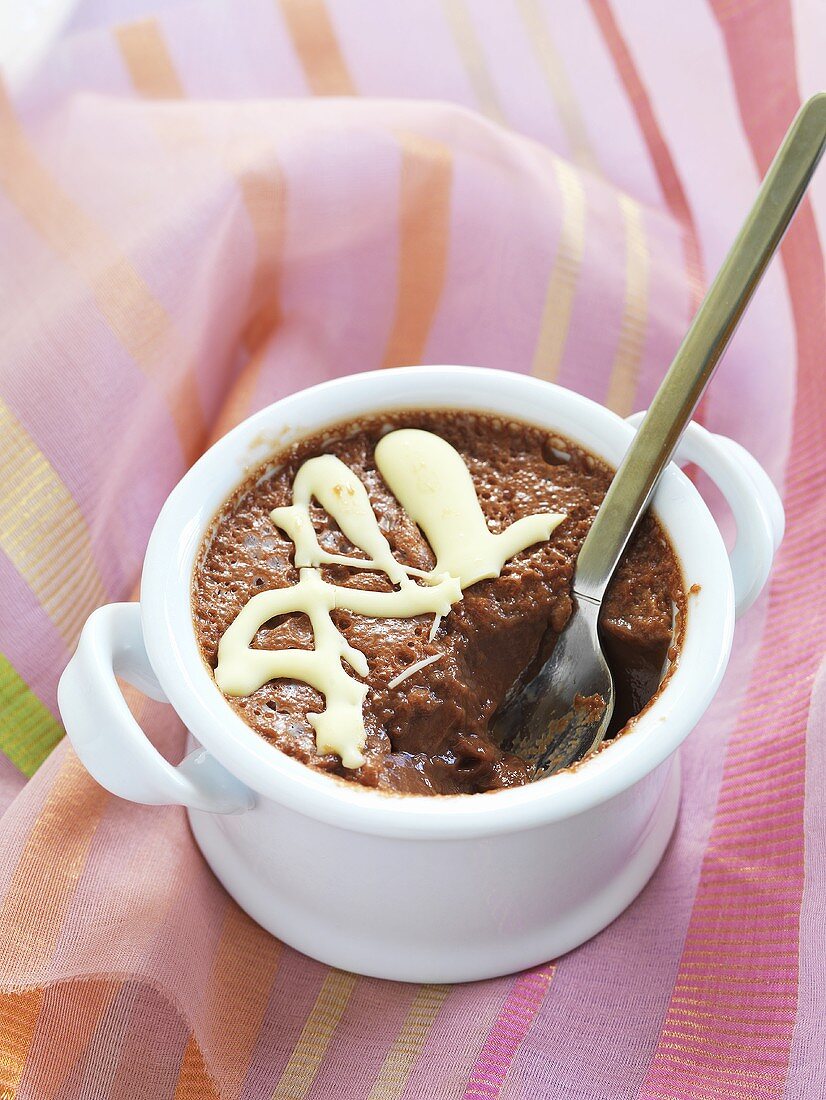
107,739
752,498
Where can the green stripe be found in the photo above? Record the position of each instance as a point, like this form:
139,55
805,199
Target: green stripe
28,730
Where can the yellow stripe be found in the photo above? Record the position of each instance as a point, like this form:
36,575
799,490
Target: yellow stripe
424,230
28,730
43,533
132,312
622,386
408,1044
314,40
470,51
305,1060
562,284
553,70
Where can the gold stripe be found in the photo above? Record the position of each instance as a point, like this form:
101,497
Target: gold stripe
718,984
704,1091
701,1047
784,772
782,823
768,758
714,1073
757,923
750,905
733,879
553,70
470,51
764,791
148,60
315,42
758,796
686,1029
408,1044
28,729
753,776
709,966
675,1033
622,386
424,230
760,873
706,991
697,1013
756,872
308,1054
562,284
754,950
43,533
132,312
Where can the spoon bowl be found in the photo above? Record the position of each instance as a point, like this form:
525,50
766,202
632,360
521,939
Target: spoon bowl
571,700
561,715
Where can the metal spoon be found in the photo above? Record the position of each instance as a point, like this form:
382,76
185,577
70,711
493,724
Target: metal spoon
563,713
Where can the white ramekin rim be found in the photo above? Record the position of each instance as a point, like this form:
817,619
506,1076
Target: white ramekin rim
172,647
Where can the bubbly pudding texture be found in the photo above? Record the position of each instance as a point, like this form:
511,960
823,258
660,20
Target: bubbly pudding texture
367,599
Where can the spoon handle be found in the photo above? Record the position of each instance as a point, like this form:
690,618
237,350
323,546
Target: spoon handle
697,357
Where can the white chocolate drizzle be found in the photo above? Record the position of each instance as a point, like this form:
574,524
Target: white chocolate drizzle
432,483
411,670
434,486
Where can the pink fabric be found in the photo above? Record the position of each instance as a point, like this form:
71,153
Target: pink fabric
204,207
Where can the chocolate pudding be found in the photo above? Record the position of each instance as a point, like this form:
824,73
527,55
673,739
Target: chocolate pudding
425,685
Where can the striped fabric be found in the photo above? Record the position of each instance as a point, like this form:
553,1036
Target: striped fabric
205,206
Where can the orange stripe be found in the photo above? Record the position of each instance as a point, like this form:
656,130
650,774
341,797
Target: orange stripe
194,1082
48,869
243,970
132,312
49,866
424,229
315,42
263,193
18,1020
148,60
71,1011
265,200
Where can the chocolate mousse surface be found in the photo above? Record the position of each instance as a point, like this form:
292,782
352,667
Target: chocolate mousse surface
429,732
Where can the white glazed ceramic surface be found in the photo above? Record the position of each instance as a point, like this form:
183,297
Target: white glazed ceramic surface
416,888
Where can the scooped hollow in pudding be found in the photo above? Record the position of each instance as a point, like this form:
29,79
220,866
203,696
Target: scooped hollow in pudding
419,686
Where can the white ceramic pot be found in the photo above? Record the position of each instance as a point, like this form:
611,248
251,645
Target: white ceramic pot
415,888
